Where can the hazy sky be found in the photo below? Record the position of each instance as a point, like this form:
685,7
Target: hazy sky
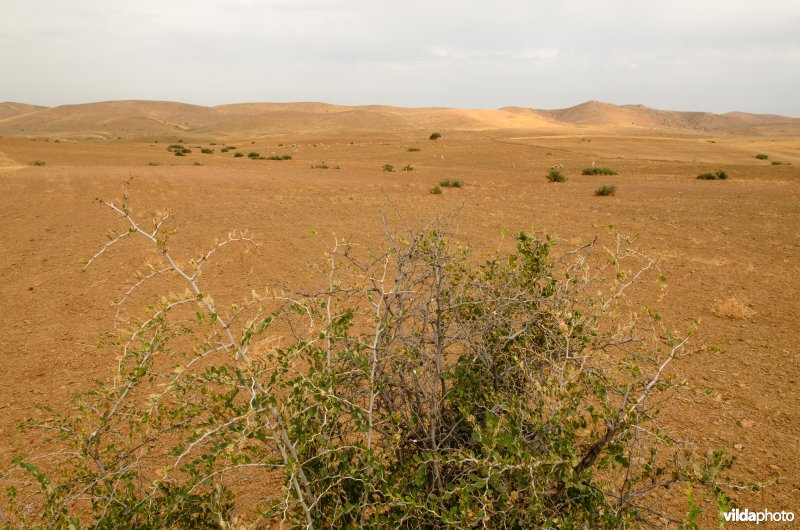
715,55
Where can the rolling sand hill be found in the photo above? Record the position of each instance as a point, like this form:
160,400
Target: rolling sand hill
155,119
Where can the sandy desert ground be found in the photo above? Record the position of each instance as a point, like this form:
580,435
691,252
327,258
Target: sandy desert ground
729,248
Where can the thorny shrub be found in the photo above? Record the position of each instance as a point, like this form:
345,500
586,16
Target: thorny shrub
418,388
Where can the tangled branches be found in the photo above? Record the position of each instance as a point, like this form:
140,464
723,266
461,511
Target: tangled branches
419,388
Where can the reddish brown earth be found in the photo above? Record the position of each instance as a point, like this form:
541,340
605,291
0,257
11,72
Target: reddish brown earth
716,241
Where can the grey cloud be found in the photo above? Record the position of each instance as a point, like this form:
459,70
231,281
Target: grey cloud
699,55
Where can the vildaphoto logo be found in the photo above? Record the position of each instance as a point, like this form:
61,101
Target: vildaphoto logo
764,516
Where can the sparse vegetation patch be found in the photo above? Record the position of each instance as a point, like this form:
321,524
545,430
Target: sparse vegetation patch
451,183
388,168
554,174
598,171
605,191
762,156
719,175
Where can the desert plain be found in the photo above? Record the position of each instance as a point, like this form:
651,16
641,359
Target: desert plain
729,248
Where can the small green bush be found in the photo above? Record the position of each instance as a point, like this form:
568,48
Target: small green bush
598,171
37,163
779,163
388,168
179,153
719,175
238,155
252,154
408,168
206,150
448,183
224,150
412,149
605,191
198,164
436,190
321,165
435,136
762,156
186,150
278,157
153,163
555,175
231,147
174,146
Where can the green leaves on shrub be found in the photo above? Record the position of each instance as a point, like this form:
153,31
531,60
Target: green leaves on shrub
422,387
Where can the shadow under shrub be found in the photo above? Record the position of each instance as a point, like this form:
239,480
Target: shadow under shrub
420,388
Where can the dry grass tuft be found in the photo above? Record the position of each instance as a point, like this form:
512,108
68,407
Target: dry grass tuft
732,308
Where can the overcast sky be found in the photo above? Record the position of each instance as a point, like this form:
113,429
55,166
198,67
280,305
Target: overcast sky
714,55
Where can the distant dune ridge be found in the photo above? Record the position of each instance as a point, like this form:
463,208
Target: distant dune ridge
158,119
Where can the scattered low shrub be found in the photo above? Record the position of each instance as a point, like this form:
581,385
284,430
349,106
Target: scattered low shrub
174,146
408,168
206,150
450,183
252,154
435,136
154,163
186,150
37,163
719,175
388,168
605,191
179,153
198,164
412,149
278,157
238,155
762,156
321,165
598,171
555,175
779,163
436,190
223,150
